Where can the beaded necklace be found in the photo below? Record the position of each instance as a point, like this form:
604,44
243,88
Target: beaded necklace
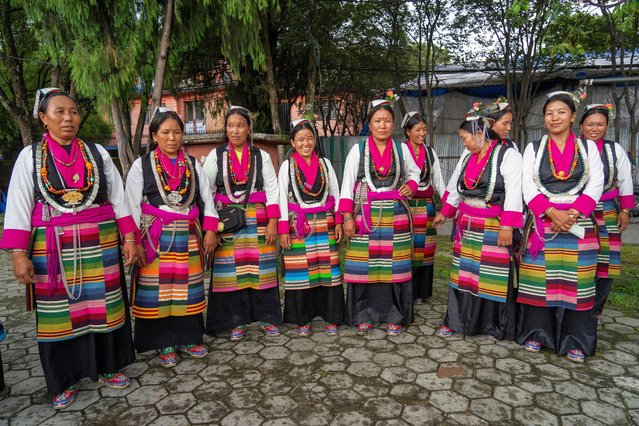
481,173
44,172
180,165
561,175
75,156
381,169
173,197
302,185
231,169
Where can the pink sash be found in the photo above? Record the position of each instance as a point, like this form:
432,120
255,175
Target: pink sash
376,196
537,243
155,230
484,213
302,223
256,197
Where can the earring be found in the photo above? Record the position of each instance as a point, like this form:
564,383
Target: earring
45,127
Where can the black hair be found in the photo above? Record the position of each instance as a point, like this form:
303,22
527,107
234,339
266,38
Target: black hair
373,110
44,103
496,116
412,122
305,125
561,97
470,128
242,112
597,110
160,118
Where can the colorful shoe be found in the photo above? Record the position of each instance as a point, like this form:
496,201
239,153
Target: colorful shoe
304,330
270,329
444,331
393,329
575,355
532,346
115,380
331,329
196,351
65,398
237,333
168,357
418,301
364,328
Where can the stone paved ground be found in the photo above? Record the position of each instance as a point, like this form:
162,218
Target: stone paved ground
414,378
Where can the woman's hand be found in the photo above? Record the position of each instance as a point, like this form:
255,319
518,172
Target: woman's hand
623,219
141,260
505,236
349,226
209,242
285,241
130,251
339,232
271,232
23,267
439,220
405,191
562,220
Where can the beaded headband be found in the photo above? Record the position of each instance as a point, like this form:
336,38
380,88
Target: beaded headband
41,95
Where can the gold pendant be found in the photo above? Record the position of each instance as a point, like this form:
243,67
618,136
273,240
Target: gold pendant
381,169
76,178
561,173
72,198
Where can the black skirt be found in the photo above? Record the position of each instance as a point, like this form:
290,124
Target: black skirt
170,331
472,315
559,329
230,309
302,306
423,282
391,303
602,288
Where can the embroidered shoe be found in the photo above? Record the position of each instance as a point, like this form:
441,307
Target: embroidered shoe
444,331
532,346
196,351
304,330
168,357
64,399
237,333
393,329
364,328
115,380
575,355
418,301
270,329
331,329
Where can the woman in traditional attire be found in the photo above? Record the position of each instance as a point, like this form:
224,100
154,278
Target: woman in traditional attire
244,285
485,196
613,209
562,181
166,189
310,232
65,207
379,176
422,206
501,116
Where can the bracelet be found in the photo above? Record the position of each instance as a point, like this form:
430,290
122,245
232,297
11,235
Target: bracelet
17,250
506,228
548,210
626,211
130,241
346,219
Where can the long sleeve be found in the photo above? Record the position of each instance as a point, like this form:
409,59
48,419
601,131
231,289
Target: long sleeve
510,169
438,180
332,176
411,170
624,179
210,170
452,196
587,201
20,203
211,218
283,180
115,189
536,201
133,190
351,165
270,187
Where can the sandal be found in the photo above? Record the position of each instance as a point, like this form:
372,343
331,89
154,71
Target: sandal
444,331
168,357
115,380
393,329
364,328
270,329
196,351
576,355
532,346
65,398
304,330
331,329
237,333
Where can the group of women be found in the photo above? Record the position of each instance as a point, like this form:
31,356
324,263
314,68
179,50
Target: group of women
70,223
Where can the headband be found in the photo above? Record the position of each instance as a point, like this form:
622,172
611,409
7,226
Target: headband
407,117
41,95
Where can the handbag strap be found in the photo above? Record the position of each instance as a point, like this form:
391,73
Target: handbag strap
249,179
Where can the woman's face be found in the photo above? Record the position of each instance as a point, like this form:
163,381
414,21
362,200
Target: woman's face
594,126
62,119
169,137
472,142
558,117
237,130
304,143
381,125
503,125
417,134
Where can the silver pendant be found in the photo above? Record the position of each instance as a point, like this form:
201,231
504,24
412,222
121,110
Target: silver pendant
174,197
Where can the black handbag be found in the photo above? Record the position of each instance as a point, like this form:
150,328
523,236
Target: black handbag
234,218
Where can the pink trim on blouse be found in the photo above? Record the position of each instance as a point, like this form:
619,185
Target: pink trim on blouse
512,218
239,168
126,225
345,205
15,239
273,211
584,205
539,205
62,156
308,170
563,161
627,201
173,168
420,158
381,161
448,210
210,223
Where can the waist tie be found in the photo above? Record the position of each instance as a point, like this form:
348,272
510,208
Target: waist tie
484,213
89,215
154,231
428,193
537,243
302,222
366,207
610,195
255,197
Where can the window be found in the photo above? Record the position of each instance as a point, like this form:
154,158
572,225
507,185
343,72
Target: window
194,111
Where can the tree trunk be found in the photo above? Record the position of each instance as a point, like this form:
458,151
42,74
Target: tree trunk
271,87
139,127
124,146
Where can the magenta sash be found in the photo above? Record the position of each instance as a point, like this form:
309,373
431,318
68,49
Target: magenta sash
376,196
155,230
302,222
610,195
537,243
484,213
425,194
256,197
92,215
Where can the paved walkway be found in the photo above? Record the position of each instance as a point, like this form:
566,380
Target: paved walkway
414,378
